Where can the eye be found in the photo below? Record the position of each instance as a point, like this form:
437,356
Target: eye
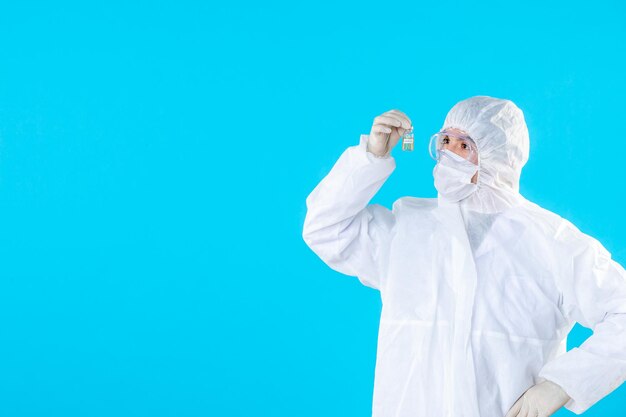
445,139
464,145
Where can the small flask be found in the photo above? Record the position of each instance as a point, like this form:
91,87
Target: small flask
407,140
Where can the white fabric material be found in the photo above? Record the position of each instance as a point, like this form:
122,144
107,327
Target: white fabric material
478,296
453,176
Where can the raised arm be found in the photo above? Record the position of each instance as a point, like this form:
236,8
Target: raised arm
348,234
341,227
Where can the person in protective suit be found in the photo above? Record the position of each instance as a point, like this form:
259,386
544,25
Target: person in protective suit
479,286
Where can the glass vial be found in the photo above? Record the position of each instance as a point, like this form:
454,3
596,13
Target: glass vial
407,140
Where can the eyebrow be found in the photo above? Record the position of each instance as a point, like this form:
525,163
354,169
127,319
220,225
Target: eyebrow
454,137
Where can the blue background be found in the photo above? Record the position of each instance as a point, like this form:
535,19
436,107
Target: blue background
154,164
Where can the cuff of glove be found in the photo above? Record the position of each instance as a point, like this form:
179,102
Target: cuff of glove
370,155
574,405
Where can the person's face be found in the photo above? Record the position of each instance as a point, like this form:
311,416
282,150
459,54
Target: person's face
463,148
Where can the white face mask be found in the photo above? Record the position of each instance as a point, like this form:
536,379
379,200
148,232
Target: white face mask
453,176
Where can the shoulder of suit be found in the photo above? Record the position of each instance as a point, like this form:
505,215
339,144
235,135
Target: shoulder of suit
547,221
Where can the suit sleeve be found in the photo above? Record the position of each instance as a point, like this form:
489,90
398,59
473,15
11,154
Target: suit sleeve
593,288
351,236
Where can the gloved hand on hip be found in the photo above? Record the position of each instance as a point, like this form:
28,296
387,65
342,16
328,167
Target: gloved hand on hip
386,131
541,400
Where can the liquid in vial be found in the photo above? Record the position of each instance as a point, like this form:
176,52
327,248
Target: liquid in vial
407,140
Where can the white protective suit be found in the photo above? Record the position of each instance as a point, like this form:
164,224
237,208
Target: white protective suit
477,296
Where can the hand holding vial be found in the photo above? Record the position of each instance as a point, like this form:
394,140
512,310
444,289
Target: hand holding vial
387,130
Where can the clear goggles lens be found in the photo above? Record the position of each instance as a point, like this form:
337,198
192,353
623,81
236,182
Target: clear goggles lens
458,143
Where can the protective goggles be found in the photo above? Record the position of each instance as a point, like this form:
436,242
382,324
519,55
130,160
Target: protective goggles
456,141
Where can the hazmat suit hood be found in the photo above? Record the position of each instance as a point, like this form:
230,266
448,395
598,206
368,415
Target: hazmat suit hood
501,135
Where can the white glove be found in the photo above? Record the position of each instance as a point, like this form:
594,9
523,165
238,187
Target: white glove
541,400
386,132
